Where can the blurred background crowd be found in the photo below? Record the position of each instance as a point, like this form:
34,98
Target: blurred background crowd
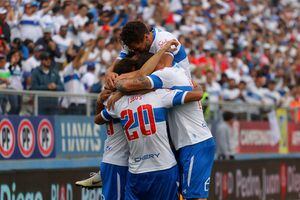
241,51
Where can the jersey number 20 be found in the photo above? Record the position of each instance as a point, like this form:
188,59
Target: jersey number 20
141,121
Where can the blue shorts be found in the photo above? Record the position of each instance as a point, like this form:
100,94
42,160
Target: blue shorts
195,165
158,185
114,181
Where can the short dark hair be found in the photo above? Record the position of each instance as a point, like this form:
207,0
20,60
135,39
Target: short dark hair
130,64
133,32
82,6
143,57
227,116
125,65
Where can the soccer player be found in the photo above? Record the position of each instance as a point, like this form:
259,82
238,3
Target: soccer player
188,129
137,37
114,165
153,173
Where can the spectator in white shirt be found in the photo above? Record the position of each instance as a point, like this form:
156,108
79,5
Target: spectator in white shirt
72,84
63,43
234,71
271,96
81,18
64,17
89,78
31,63
88,33
213,88
231,93
30,23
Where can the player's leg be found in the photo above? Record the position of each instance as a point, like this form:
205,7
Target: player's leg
158,185
196,162
114,180
165,185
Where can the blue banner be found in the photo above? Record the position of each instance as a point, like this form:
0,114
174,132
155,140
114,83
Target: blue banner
79,136
26,137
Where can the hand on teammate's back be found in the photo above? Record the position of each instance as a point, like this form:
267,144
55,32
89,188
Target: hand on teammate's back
103,96
113,99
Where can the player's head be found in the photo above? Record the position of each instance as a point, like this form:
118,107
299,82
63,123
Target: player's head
136,36
131,64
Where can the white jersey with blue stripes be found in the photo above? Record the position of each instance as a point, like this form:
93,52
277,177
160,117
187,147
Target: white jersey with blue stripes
160,38
186,122
143,118
116,150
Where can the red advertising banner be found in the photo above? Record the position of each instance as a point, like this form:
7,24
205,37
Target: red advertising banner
294,137
256,137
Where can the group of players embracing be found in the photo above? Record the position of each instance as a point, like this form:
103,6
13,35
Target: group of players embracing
158,144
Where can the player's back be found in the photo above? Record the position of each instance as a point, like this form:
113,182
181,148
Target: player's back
143,118
116,150
186,122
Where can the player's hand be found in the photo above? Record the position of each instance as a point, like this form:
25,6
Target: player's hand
103,96
110,80
196,86
113,99
171,45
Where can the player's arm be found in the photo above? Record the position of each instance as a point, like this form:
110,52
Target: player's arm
195,95
133,84
103,117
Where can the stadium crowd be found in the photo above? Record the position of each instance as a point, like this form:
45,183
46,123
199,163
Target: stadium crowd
239,50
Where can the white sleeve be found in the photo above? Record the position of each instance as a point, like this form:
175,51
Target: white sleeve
163,39
170,78
161,79
170,98
108,115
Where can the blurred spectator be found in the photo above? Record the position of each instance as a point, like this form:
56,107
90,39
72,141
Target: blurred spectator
4,27
14,81
295,105
48,44
97,87
81,18
88,32
63,42
213,89
225,149
4,82
72,83
46,78
89,78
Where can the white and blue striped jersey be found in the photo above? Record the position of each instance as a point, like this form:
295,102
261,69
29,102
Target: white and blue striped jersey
73,85
186,122
116,150
160,38
143,118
